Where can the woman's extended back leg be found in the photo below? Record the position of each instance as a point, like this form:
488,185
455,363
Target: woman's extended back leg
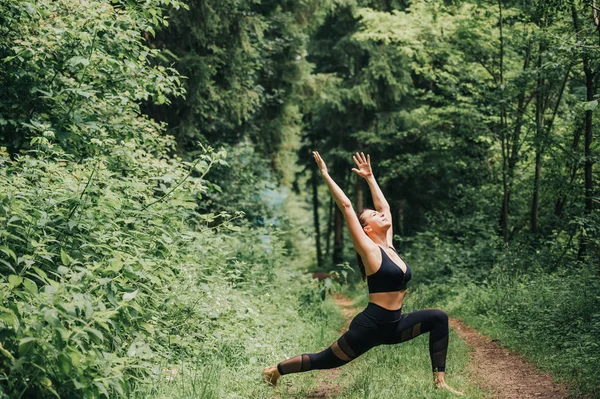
336,355
361,336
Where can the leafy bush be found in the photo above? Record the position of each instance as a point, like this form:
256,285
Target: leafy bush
104,286
87,265
75,71
113,261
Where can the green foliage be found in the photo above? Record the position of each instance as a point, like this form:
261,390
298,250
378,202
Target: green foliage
245,62
245,180
104,286
393,83
75,72
112,264
551,319
80,297
119,260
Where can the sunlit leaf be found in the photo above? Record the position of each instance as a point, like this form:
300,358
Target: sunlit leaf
130,295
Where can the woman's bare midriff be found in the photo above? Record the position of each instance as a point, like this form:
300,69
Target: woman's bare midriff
389,300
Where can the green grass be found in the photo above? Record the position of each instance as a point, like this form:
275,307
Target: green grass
537,303
218,379
383,372
288,318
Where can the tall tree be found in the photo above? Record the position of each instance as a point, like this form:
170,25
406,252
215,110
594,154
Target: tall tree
590,70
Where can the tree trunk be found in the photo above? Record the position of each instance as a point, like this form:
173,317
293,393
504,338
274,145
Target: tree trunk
512,153
315,189
513,159
539,139
503,138
590,77
360,194
338,234
329,228
338,241
590,91
536,192
571,166
587,134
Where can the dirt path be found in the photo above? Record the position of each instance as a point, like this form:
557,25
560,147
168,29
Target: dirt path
502,373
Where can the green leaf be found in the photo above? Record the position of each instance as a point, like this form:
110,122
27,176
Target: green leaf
78,60
65,258
6,353
94,332
40,273
64,363
9,252
101,388
51,317
48,386
75,357
30,286
130,295
83,93
591,105
8,317
14,281
10,267
116,265
25,345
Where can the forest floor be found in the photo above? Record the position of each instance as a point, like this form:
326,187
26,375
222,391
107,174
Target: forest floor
496,370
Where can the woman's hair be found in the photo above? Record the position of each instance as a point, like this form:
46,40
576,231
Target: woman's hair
363,223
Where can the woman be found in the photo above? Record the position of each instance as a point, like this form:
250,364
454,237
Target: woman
382,322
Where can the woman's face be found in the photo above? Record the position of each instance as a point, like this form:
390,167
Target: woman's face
376,221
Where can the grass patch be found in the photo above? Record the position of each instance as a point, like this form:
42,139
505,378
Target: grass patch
383,372
294,320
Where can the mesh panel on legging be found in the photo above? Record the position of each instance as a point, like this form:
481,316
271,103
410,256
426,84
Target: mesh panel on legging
343,345
295,364
437,352
338,354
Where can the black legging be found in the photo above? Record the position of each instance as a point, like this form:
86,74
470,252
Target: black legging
378,326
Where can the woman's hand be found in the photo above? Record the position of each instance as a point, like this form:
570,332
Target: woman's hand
364,165
320,163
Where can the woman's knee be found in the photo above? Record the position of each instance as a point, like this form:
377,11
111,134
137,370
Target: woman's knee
439,316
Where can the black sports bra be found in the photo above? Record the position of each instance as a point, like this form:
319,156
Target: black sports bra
389,277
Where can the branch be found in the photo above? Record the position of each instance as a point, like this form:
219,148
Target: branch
180,183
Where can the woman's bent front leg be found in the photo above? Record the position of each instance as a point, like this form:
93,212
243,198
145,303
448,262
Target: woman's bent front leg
435,322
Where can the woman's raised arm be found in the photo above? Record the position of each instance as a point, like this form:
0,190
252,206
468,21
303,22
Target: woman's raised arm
381,205
362,243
